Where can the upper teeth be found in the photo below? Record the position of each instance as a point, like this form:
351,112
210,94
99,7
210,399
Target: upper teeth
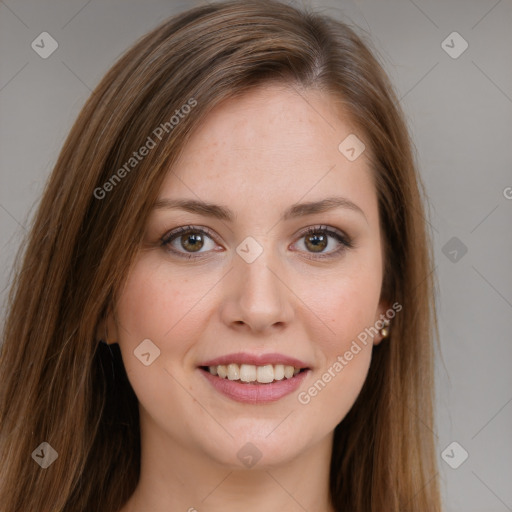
251,373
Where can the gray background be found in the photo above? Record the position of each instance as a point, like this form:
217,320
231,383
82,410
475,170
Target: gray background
460,114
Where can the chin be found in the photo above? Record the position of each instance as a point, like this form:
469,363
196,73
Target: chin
259,446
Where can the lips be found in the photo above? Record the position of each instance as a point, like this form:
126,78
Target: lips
231,375
256,360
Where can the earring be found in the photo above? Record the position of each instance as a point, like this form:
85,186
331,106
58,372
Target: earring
384,332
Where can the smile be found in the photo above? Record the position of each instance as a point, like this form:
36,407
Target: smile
251,373
255,392
254,378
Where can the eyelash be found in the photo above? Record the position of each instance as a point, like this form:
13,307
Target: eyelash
345,241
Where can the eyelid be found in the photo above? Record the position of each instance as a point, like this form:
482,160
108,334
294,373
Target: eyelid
345,241
342,238
184,229
166,240
328,229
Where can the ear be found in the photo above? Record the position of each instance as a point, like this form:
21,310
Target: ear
107,328
380,317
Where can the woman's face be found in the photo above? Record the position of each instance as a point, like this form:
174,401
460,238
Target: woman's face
257,290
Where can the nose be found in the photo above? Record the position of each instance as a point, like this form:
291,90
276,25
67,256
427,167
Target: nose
257,297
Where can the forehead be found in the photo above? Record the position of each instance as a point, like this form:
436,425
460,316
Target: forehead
275,144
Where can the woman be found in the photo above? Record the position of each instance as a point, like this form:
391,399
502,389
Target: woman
225,301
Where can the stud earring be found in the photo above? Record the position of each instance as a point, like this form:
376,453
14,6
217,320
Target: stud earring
384,332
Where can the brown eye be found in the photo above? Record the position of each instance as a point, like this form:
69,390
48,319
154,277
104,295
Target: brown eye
187,240
316,242
192,242
318,238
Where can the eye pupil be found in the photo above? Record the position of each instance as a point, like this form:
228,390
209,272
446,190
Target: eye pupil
185,240
319,244
192,240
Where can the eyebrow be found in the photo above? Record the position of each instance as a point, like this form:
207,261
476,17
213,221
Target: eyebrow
224,213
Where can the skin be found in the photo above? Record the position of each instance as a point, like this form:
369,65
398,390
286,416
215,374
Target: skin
257,155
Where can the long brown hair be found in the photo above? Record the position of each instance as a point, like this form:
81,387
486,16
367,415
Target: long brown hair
61,387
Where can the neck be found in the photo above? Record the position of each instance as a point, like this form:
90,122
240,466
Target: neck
174,477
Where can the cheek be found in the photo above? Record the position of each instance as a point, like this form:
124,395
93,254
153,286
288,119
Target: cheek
345,351
347,303
155,304
154,307
166,310
334,390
